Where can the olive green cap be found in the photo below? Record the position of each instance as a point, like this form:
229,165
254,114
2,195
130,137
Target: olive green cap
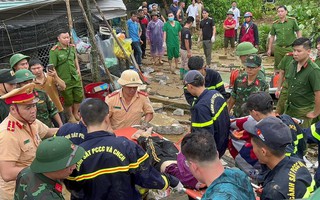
253,61
230,13
56,153
24,75
245,48
17,58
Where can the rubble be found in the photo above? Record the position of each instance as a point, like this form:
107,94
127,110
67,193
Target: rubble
178,112
157,107
164,124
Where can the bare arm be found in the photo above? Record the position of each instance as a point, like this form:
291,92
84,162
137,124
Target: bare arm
9,171
57,118
270,45
178,15
214,31
316,112
231,103
76,62
148,117
57,79
163,19
164,37
51,132
299,34
280,82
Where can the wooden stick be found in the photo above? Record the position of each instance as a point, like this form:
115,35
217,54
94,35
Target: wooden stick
94,44
70,22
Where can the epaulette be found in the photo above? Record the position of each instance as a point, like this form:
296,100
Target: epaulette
113,94
276,21
289,54
291,18
54,47
143,93
12,125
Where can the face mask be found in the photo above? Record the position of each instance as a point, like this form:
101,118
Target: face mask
170,19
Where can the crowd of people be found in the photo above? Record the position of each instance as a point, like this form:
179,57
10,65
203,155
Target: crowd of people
51,135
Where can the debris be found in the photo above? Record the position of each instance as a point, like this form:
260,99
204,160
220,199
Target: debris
164,124
157,107
178,112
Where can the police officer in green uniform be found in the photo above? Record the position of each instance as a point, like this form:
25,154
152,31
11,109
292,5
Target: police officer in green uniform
243,50
55,160
286,30
246,84
64,58
46,110
303,100
282,87
8,82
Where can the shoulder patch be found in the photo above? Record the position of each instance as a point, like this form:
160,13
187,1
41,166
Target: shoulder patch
113,94
11,126
54,47
291,18
143,93
289,54
276,21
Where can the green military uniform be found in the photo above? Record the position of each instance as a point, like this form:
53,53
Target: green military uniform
63,60
317,61
301,88
37,186
4,110
286,35
242,90
46,109
284,65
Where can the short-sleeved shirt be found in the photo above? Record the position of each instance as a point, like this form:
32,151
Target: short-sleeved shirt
230,32
174,9
207,28
172,36
301,88
63,60
242,90
133,30
185,35
232,184
4,110
124,115
285,31
37,186
46,109
236,16
192,11
289,179
18,144
51,89
284,64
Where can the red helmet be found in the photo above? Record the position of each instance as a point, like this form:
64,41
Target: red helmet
248,14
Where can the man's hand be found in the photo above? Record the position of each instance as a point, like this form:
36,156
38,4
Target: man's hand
213,39
269,52
52,73
312,115
189,54
164,45
277,94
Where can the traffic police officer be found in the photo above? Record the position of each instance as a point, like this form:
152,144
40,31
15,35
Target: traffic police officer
20,136
8,82
19,61
55,160
128,105
209,111
287,30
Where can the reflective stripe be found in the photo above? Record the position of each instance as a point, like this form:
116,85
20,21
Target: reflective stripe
296,142
111,170
309,190
215,86
314,132
214,118
166,182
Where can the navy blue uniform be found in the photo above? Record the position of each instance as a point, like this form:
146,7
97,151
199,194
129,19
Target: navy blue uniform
210,112
289,179
74,132
313,135
111,167
213,81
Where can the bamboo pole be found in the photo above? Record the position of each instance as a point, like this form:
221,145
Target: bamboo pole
70,22
94,44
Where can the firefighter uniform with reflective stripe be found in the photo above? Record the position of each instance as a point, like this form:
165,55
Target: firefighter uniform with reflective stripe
213,81
289,179
110,169
210,112
74,132
313,134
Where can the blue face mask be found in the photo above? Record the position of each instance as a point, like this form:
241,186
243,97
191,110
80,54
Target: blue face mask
170,19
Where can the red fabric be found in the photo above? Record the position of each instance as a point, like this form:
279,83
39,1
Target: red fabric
247,35
229,33
144,21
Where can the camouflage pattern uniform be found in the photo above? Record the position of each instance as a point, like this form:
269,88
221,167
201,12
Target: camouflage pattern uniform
36,186
242,90
45,108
